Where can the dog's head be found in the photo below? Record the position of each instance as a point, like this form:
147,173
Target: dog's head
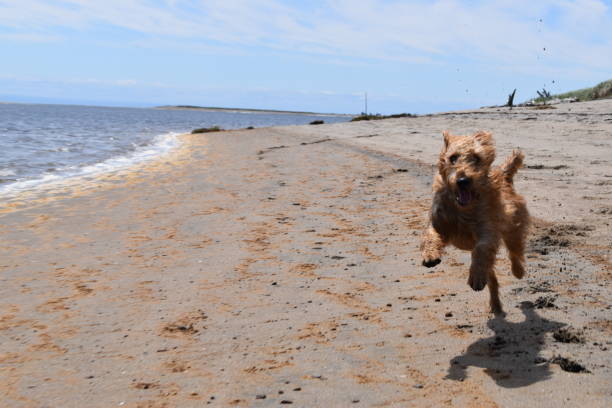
464,165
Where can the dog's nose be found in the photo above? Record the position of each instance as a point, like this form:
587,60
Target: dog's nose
463,182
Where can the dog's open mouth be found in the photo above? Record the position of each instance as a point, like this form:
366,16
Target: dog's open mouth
464,197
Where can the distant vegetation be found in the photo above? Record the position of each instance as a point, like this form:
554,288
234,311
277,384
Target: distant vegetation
378,116
602,90
206,130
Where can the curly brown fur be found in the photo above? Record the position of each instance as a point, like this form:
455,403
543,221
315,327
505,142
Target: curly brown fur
474,208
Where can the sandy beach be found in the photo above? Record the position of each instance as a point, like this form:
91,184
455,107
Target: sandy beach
280,266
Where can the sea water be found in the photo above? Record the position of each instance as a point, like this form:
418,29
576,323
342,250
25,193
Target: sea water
41,144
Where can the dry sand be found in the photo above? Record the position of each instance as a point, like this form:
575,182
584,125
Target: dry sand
280,266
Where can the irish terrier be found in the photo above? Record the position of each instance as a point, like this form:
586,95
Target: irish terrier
475,207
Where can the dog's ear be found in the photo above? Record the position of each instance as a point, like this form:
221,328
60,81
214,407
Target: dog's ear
484,138
446,135
485,146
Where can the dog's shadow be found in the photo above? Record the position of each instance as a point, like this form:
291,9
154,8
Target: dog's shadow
511,356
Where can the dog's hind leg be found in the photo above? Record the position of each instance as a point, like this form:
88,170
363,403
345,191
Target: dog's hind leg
516,250
494,301
516,236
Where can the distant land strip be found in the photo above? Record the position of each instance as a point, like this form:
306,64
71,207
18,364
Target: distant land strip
245,110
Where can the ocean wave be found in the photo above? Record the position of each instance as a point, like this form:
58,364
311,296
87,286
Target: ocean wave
160,145
63,149
7,172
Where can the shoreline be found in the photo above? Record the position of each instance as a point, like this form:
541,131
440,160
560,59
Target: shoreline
67,156
251,262
14,195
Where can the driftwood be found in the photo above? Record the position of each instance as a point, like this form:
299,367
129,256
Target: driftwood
544,94
510,102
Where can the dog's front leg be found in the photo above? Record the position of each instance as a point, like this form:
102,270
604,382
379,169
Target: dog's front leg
431,247
483,259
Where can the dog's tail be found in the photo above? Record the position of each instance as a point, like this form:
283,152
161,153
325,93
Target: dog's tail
512,164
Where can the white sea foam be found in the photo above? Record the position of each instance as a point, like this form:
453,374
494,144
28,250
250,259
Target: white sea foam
6,172
161,145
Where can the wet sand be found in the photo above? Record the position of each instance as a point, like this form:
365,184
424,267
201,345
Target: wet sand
280,266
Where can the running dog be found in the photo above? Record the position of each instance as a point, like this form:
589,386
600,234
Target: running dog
474,208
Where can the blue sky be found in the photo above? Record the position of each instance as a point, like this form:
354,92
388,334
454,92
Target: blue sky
410,56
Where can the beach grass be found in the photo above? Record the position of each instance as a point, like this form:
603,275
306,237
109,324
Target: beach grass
603,90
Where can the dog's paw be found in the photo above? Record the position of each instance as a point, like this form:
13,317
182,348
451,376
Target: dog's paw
477,281
496,308
430,263
498,312
518,270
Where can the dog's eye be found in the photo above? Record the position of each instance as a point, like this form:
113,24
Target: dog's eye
453,158
476,159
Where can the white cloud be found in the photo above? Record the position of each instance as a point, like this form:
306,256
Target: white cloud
83,81
499,33
31,37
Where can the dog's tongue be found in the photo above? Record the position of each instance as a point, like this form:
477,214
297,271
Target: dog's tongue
464,197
